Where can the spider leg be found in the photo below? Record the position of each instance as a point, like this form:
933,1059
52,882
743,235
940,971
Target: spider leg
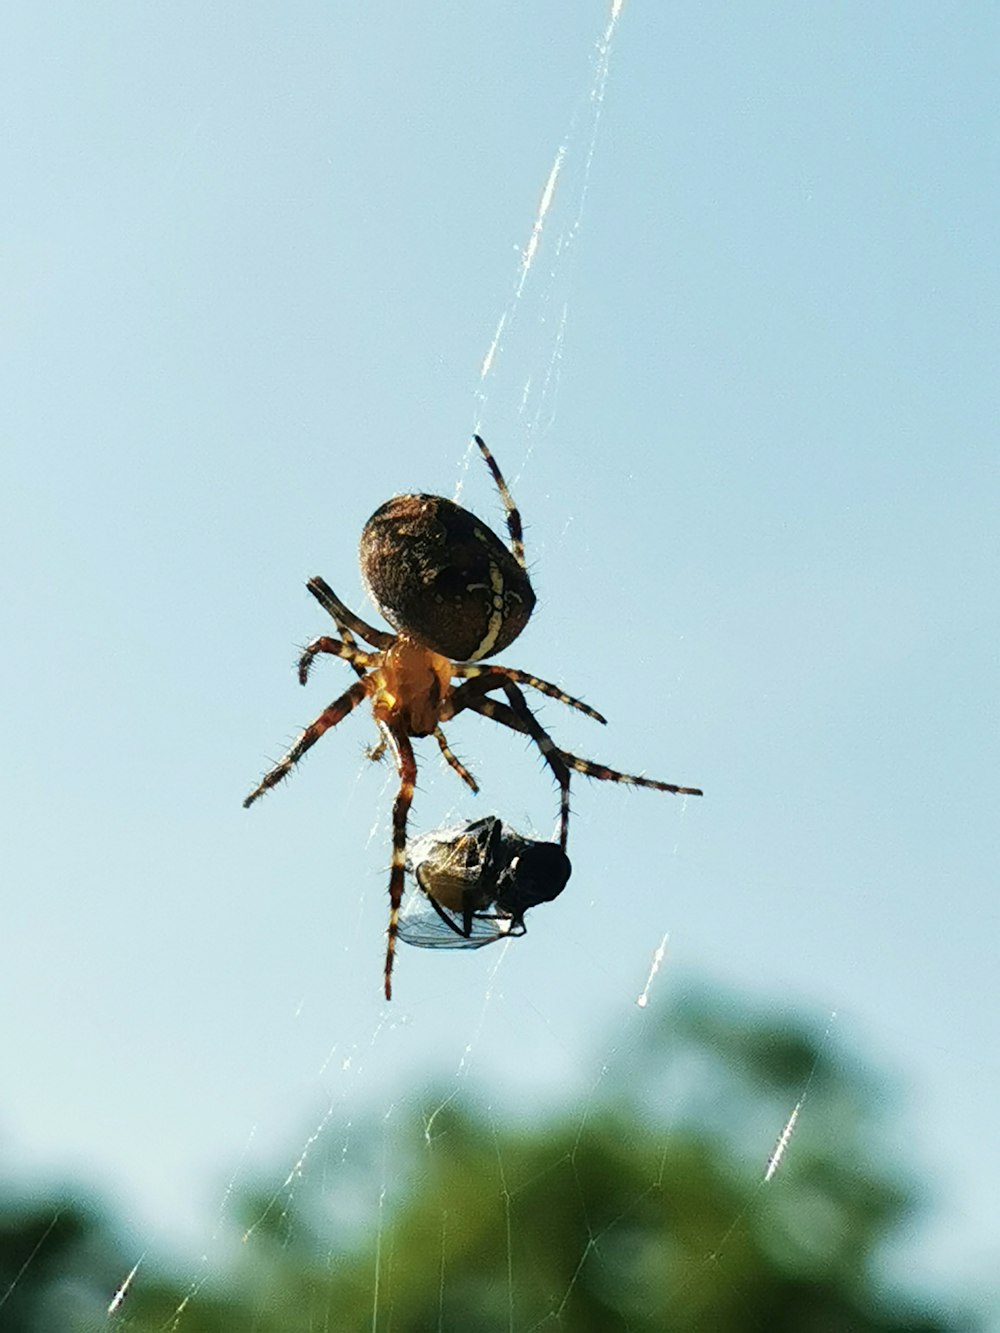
330,602
406,766
513,517
329,717
509,718
342,628
454,761
519,717
470,671
376,751
605,774
345,632
349,651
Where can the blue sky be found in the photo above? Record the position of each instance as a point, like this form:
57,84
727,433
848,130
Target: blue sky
253,259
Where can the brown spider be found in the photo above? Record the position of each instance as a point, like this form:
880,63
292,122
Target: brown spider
455,594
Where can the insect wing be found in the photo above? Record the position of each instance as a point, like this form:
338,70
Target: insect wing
425,928
453,869
474,883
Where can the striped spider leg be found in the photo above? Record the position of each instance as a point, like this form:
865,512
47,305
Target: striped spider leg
406,684
518,716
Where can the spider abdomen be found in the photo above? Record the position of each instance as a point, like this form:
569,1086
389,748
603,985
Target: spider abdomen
440,575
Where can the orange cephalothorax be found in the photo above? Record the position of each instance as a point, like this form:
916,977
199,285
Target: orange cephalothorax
412,684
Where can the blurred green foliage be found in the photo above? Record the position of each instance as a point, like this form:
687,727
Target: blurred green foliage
644,1209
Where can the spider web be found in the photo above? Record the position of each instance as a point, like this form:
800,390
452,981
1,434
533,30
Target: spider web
518,379
516,394
517,384
247,966
498,1028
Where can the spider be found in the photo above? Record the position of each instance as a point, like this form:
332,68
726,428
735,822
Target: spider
479,879
455,594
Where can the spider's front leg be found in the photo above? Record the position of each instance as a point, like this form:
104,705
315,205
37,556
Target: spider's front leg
509,717
344,616
473,671
329,717
519,717
406,766
349,652
510,508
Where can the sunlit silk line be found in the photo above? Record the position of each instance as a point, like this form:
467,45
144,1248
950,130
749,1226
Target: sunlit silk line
465,1062
597,98
597,94
658,957
548,393
24,1267
122,1291
527,257
534,240
487,365
296,1173
378,1251
774,1161
192,1294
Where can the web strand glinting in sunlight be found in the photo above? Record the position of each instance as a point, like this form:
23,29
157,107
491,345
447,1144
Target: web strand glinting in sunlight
658,957
122,1292
774,1161
530,250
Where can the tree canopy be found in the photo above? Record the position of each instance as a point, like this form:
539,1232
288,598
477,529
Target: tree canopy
647,1209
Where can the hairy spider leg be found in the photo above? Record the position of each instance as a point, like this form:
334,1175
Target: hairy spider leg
406,766
344,631
376,751
513,515
591,769
470,671
345,617
454,761
558,760
358,660
329,717
519,717
348,650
